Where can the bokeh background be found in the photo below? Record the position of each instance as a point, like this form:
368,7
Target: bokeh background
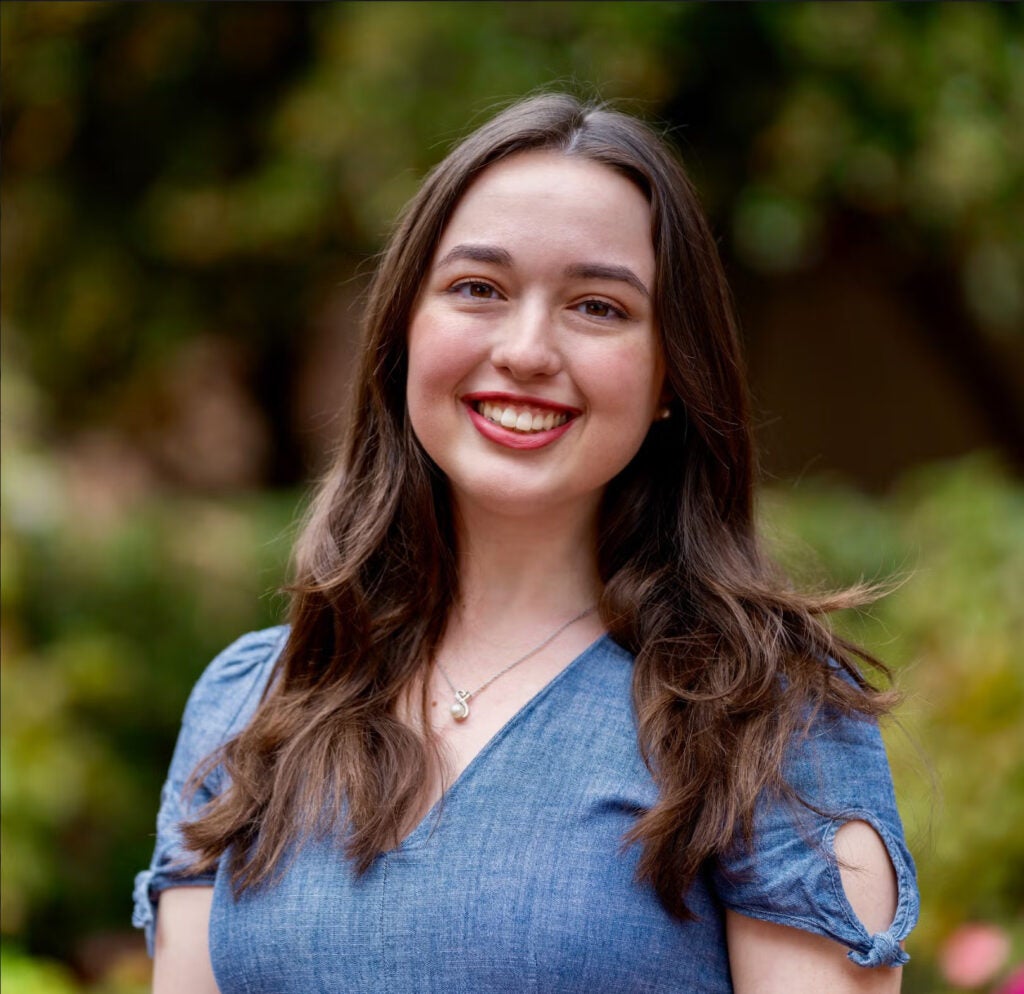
192,195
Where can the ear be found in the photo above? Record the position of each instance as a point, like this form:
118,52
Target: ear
665,406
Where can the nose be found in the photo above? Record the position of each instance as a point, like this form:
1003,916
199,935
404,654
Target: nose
525,345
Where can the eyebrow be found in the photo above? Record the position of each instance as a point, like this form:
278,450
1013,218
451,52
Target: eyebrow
580,270
477,253
601,271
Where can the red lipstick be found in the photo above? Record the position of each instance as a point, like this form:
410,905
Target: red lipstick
515,439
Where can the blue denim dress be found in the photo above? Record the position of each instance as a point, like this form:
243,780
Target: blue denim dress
519,880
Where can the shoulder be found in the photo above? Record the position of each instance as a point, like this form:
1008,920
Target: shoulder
237,676
792,873
220,705
227,694
839,761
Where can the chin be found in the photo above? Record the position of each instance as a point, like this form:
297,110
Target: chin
532,504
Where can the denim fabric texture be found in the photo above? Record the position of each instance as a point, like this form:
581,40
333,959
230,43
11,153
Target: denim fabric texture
518,880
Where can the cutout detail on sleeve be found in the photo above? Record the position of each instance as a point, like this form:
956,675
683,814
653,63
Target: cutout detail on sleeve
791,876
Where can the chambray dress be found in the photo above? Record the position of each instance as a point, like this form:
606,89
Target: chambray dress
519,882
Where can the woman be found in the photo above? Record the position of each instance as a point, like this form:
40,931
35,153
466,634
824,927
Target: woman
544,717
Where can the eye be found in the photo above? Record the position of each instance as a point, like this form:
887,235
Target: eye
475,290
600,309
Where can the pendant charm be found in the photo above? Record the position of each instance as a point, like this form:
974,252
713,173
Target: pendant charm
460,709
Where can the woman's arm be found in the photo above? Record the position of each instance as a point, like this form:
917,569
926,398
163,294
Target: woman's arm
181,957
774,959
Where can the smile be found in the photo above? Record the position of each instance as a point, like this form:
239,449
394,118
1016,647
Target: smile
519,422
520,418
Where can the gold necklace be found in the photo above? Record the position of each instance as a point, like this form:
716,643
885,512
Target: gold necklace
460,706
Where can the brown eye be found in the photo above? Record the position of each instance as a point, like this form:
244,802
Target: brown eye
600,309
475,290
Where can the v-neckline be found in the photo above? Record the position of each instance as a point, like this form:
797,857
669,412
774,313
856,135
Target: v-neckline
421,833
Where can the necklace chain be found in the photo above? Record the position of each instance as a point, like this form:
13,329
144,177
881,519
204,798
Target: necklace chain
460,707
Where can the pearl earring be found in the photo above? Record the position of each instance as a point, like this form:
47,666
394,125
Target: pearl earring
664,413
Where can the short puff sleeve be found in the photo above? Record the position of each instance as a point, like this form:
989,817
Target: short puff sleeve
220,705
791,876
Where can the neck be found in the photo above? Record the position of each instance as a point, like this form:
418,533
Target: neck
528,570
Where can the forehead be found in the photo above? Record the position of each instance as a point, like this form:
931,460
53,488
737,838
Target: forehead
545,200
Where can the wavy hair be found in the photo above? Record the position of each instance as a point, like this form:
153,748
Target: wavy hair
730,660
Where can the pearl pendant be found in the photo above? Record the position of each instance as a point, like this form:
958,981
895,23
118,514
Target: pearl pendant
460,707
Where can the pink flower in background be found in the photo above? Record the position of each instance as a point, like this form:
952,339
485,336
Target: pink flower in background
974,954
1014,983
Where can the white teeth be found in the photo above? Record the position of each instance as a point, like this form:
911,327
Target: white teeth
518,419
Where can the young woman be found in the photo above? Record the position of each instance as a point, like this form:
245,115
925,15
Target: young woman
545,718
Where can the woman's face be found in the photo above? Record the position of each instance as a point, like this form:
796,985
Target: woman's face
534,365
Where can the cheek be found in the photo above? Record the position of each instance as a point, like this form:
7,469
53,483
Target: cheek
438,362
429,355
440,344
629,382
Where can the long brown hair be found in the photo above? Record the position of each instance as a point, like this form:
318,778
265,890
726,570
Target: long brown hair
730,662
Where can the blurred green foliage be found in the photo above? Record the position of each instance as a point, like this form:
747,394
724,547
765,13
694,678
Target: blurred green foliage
175,170
30,976
109,614
176,173
953,535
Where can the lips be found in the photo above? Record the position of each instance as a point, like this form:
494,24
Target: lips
519,422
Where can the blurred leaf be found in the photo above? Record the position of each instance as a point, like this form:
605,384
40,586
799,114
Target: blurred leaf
24,975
